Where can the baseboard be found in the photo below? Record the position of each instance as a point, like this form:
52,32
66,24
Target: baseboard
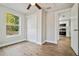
43,42
40,43
6,44
33,41
52,42
73,51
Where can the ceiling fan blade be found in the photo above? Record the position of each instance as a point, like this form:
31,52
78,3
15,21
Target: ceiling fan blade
37,6
29,6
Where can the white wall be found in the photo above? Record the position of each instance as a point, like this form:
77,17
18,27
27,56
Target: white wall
4,40
50,29
52,26
41,27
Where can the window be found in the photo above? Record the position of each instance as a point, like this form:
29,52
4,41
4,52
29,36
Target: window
12,24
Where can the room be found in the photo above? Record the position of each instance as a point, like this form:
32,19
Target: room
39,29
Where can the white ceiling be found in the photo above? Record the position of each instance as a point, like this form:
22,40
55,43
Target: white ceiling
22,7
56,6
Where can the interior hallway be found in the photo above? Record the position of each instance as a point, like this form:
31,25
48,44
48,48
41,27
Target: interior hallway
32,49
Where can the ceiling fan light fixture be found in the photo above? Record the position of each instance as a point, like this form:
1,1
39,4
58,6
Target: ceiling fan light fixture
32,3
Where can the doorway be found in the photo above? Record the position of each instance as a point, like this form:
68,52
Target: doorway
71,14
63,27
64,32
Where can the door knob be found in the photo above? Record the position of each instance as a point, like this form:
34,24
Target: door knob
76,30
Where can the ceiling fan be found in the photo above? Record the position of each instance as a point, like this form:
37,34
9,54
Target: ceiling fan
33,4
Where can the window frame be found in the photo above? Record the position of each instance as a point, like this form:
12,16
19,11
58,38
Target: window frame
19,25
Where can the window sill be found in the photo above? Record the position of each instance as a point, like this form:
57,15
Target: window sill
8,36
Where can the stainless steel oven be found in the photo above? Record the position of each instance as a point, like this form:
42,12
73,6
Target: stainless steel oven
62,30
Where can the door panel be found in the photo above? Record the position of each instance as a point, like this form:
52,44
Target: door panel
32,28
74,28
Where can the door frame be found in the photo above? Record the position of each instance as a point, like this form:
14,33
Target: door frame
57,22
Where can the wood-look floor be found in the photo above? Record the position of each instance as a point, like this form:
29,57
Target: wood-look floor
32,49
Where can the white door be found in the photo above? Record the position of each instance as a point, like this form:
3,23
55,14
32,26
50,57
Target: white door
32,28
74,28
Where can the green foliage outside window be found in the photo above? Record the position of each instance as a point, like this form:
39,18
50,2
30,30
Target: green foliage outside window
12,19
12,26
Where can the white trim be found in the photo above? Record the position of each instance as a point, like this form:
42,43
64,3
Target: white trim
19,25
43,42
6,44
64,10
8,36
75,50
33,41
40,43
55,42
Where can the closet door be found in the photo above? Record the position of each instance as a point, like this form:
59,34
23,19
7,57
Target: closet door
32,28
74,28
